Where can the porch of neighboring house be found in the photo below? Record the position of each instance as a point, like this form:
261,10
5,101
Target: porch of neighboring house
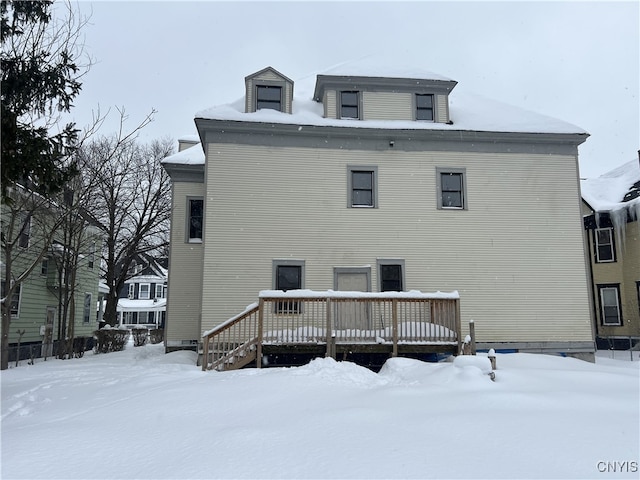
300,325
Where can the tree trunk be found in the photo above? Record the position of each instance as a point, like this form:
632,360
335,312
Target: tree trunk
111,309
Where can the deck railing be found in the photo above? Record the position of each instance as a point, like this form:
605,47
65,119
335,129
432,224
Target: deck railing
307,317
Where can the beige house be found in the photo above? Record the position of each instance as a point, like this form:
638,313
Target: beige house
381,182
611,209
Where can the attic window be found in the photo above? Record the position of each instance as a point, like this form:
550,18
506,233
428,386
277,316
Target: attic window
269,96
349,105
424,107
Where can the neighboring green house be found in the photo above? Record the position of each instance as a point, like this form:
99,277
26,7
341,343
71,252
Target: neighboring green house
611,209
372,179
36,304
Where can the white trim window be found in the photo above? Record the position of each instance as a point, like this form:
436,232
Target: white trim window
144,291
610,313
605,249
132,291
159,290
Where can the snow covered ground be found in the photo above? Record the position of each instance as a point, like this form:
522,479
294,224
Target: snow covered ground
142,414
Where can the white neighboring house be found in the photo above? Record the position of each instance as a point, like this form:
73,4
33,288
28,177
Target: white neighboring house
143,301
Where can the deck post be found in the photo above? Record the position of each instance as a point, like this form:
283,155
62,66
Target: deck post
458,324
472,334
205,354
331,339
260,334
394,319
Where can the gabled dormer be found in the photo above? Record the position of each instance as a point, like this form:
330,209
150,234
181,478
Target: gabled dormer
268,89
384,98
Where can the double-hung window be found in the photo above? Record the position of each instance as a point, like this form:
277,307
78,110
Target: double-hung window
350,105
195,220
391,275
424,107
15,299
362,186
159,290
144,291
288,275
451,188
269,96
605,250
610,313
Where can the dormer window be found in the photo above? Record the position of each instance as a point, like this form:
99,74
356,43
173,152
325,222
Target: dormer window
424,107
268,89
268,96
349,104
366,98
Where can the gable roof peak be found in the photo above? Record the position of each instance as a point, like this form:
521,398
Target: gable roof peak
265,70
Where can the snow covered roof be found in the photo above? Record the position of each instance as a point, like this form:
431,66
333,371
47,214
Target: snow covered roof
615,189
374,67
194,138
126,305
468,112
190,156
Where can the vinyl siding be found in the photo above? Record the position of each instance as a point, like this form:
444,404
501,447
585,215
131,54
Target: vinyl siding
34,299
387,106
36,296
624,271
516,255
441,108
330,104
184,288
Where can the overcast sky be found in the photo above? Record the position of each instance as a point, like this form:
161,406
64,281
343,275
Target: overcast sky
576,61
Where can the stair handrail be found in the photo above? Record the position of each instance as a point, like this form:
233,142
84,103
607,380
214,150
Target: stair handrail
218,330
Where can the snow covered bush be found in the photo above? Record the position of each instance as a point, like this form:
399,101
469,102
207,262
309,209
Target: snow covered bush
139,336
156,335
110,339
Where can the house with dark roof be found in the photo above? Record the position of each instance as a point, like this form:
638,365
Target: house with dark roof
611,209
380,185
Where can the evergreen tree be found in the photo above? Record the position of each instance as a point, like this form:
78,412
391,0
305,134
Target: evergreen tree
40,79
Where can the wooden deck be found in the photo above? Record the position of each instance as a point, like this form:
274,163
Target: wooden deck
334,324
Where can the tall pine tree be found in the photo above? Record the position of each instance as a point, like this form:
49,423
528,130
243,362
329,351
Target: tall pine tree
40,79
